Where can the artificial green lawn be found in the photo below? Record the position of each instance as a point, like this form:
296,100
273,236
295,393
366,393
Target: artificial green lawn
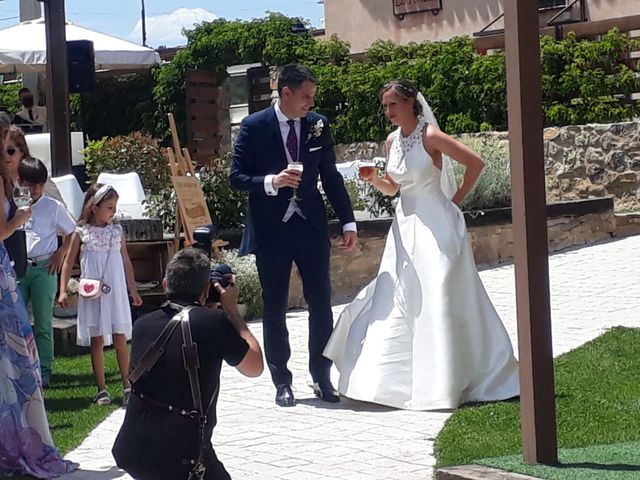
620,461
597,403
69,398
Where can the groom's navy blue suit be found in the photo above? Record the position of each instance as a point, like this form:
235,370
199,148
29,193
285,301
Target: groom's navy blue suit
260,151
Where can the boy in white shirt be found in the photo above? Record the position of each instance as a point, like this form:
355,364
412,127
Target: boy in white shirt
40,283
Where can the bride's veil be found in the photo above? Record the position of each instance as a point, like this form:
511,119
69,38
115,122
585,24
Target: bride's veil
447,177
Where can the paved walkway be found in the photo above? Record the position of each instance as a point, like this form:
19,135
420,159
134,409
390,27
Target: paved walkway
592,289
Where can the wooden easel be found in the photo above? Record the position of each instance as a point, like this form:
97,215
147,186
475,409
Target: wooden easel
192,210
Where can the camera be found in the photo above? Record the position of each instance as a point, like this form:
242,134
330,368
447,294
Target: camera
219,274
204,235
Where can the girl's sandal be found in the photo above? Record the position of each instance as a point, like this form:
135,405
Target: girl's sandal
102,398
126,395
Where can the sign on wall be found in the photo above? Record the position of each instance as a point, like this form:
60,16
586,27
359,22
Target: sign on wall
405,7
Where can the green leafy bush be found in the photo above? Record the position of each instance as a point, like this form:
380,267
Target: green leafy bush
119,105
9,96
227,206
247,279
493,188
583,81
136,152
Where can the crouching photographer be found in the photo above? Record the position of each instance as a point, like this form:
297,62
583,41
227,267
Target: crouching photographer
176,357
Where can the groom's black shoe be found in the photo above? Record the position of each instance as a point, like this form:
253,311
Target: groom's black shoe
284,396
326,392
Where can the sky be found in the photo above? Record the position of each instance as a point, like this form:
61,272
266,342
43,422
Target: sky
166,18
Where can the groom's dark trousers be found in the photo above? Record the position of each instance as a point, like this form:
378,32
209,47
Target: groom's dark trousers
293,242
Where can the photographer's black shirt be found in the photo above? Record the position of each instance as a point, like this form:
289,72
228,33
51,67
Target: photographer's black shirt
153,432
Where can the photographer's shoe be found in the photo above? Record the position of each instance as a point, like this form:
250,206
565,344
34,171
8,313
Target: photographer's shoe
325,391
284,396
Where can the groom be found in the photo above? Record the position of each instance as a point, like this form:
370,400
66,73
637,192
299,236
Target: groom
281,229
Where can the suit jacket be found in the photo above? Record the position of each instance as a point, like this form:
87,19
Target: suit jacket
259,151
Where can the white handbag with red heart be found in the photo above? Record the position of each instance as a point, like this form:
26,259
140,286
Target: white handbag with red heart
91,288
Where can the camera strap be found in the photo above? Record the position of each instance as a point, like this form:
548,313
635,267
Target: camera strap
151,356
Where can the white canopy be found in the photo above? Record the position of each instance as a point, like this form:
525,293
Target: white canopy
23,49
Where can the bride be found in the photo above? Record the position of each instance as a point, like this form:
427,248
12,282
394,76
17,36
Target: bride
423,335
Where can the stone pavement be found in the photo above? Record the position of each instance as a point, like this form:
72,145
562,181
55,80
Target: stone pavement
592,289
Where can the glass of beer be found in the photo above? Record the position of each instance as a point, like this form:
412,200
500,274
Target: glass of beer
298,167
366,168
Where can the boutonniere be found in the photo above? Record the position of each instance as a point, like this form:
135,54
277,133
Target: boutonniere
315,130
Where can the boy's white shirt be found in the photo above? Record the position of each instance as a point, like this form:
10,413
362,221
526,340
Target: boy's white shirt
48,218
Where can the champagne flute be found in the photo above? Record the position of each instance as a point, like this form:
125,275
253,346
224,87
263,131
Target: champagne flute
21,196
298,167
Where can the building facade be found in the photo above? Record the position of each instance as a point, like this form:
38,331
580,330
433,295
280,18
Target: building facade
361,22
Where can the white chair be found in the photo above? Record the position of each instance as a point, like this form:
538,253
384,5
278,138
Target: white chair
71,193
130,192
39,147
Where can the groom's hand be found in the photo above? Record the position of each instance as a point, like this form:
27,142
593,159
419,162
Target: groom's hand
287,178
349,240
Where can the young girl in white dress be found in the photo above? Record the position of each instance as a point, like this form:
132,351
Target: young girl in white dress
103,256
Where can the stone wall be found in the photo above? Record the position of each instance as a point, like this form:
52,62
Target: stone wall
584,161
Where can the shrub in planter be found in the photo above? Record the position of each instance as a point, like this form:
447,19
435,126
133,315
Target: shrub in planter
136,152
247,280
493,188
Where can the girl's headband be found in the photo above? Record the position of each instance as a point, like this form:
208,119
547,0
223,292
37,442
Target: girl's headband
101,193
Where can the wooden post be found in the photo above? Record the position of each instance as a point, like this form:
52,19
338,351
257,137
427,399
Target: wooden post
524,96
57,87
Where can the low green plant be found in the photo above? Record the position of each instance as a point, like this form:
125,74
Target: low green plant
493,188
355,196
136,152
247,280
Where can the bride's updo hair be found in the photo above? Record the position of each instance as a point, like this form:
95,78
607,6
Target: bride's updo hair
406,90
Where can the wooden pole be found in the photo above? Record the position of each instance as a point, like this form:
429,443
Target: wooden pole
524,98
57,87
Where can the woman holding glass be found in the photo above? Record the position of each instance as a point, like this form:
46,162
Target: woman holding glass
423,335
26,446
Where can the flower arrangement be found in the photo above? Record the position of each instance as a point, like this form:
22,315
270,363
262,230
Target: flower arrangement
72,286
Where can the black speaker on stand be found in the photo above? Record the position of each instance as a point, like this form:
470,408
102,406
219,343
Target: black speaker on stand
81,65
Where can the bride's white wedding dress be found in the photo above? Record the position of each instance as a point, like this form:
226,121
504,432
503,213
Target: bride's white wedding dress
423,335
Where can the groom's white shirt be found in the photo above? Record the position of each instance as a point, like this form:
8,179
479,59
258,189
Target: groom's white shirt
269,188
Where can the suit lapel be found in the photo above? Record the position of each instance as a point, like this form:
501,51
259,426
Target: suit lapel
304,133
280,156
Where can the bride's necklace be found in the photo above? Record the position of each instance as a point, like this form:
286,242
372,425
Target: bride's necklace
411,140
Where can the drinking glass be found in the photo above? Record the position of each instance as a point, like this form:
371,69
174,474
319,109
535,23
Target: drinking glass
21,196
298,167
366,168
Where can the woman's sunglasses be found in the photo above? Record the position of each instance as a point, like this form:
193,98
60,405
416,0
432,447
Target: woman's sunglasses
11,151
